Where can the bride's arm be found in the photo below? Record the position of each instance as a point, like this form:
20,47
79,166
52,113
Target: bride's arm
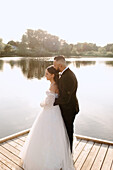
49,100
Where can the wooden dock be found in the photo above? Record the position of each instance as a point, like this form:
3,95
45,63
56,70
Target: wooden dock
89,153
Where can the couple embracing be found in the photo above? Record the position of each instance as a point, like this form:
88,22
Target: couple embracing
49,143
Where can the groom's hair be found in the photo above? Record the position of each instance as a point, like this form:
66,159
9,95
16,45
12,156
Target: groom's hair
60,59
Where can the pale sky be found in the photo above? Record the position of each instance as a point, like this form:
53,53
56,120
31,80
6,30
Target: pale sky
72,20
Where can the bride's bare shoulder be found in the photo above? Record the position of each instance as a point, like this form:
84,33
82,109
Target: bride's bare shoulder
54,88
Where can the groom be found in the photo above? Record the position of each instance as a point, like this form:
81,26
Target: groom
67,99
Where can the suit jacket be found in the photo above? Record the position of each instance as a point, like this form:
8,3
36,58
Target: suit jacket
67,99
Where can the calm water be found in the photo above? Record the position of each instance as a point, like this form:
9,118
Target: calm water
23,86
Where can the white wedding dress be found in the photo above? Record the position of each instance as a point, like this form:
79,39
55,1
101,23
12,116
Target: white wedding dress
47,146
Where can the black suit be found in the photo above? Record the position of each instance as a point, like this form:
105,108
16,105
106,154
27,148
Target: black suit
67,100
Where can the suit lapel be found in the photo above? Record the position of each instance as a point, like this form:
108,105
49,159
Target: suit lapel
65,72
61,81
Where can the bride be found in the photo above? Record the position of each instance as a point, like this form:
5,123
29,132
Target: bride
47,146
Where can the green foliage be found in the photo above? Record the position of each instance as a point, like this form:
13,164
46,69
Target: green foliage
1,46
109,47
12,43
40,43
8,48
83,47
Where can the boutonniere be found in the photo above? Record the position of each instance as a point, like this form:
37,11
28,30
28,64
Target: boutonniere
60,74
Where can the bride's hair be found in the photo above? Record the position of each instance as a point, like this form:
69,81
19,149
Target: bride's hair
52,70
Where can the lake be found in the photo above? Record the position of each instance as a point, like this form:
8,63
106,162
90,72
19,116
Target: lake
23,86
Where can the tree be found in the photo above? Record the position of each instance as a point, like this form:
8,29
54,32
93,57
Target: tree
13,43
7,48
1,45
65,48
40,41
52,43
83,47
109,47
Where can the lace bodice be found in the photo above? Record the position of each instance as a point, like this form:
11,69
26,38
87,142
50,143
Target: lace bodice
49,99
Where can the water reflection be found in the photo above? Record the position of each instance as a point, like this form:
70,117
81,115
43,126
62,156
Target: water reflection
35,68
1,65
21,92
110,63
31,68
78,64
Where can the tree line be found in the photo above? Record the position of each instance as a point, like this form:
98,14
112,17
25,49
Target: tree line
36,43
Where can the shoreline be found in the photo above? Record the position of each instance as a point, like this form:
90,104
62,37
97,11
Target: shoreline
54,55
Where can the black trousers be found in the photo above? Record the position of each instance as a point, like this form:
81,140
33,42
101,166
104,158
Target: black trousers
70,134
70,130
68,116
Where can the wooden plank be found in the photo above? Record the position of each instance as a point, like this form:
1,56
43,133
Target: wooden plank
94,139
111,168
91,157
108,159
9,163
82,157
75,143
87,154
79,149
3,167
11,149
15,145
100,157
20,142
23,138
11,156
14,135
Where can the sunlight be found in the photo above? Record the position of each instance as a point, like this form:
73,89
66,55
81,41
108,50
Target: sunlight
71,20
20,94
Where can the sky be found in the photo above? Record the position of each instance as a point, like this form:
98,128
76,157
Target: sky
75,21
